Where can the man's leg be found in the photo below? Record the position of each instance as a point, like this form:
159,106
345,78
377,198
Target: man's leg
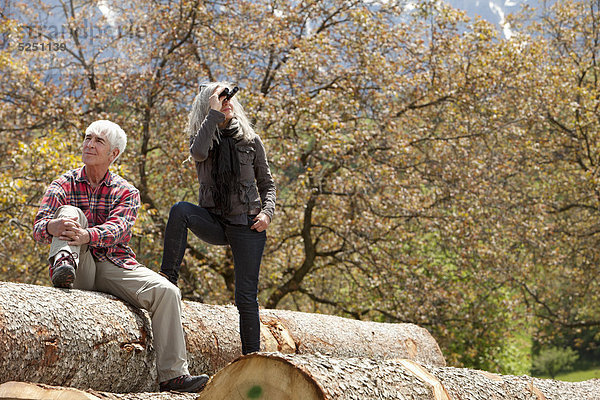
85,275
77,266
146,289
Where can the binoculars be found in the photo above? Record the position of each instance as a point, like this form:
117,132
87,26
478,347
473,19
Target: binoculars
228,93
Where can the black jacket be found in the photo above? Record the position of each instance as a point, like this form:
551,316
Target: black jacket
256,191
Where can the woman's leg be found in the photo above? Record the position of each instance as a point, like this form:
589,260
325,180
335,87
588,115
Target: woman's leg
184,215
247,246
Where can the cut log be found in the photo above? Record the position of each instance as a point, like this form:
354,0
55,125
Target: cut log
343,337
28,391
308,377
215,339
74,338
85,339
311,377
38,391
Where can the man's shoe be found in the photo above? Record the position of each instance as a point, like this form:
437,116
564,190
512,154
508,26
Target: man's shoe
62,272
185,383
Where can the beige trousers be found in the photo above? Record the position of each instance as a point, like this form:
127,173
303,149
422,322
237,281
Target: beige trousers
142,288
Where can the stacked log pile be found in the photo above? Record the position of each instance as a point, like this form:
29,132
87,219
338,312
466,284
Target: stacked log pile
85,339
280,376
78,345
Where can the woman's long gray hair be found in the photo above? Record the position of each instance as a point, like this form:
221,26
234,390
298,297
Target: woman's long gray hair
201,107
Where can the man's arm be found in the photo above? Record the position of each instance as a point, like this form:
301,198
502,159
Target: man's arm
117,227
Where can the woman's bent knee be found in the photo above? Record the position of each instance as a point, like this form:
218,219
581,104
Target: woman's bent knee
180,209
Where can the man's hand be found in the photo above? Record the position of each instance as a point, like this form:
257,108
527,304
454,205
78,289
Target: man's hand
68,229
262,222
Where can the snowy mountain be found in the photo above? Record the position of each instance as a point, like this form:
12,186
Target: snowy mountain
494,11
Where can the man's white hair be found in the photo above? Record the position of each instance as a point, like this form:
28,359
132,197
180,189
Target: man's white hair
113,132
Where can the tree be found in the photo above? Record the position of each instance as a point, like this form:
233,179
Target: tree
553,360
563,147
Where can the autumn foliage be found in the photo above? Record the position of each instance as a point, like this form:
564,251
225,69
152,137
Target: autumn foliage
428,169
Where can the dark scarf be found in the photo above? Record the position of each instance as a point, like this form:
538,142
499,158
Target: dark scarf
225,168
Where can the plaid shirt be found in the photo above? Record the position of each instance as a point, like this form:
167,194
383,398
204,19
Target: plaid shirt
111,210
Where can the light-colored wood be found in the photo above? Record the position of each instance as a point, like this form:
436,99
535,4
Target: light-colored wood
254,377
213,337
311,377
344,337
37,391
489,375
283,340
539,395
439,393
74,338
280,376
29,391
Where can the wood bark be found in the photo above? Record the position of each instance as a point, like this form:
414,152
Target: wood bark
85,339
311,377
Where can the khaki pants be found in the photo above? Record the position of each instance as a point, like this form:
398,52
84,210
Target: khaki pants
142,288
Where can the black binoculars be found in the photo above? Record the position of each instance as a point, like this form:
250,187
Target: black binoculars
229,93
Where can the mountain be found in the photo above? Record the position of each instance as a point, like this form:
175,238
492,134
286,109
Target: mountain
494,11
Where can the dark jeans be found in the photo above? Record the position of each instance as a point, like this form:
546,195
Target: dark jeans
247,246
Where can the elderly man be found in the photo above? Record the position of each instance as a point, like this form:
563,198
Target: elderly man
87,215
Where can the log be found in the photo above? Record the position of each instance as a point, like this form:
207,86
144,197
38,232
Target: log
301,333
313,376
74,338
38,391
84,339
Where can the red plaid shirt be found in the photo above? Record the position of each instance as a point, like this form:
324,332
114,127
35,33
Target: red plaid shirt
111,210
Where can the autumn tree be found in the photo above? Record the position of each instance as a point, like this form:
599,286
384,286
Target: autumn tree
563,144
428,170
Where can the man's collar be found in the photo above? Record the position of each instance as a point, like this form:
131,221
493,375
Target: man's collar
82,177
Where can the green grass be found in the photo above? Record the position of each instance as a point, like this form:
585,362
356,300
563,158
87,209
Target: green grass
577,376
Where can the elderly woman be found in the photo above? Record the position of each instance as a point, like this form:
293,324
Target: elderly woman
236,201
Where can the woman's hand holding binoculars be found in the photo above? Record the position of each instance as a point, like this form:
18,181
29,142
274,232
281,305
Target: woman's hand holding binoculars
221,95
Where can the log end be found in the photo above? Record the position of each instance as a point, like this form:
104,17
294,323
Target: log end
262,376
33,391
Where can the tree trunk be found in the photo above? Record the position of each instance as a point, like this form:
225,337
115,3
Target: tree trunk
311,377
92,340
